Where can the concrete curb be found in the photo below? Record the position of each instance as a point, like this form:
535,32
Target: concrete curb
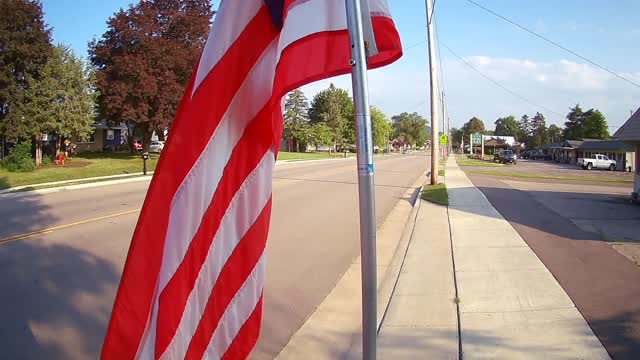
18,188
333,328
388,284
135,177
73,187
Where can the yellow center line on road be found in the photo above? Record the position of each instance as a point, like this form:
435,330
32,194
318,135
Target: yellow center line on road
59,227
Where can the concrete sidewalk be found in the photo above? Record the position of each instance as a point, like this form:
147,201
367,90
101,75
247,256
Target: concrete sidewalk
421,321
511,306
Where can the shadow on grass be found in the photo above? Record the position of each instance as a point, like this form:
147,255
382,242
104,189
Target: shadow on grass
56,299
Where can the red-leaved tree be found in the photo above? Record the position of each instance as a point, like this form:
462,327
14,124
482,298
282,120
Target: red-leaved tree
144,61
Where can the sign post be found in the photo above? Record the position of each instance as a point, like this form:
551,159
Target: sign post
444,139
364,147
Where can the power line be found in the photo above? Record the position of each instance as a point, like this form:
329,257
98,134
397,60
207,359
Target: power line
553,43
500,85
433,11
414,45
435,25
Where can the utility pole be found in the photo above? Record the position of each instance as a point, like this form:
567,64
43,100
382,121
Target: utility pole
433,77
444,125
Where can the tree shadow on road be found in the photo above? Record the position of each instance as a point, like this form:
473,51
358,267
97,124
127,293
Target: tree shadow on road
56,299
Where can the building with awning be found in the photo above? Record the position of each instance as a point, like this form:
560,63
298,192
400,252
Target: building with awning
630,133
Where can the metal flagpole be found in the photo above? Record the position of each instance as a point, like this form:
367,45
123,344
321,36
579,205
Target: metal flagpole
364,148
435,143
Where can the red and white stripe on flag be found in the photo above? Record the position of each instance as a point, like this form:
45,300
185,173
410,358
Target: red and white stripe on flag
192,285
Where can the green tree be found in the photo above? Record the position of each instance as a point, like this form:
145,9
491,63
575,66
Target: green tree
381,127
334,107
539,131
145,59
474,125
506,126
554,133
319,134
456,137
525,129
25,48
595,125
296,119
61,100
411,128
574,126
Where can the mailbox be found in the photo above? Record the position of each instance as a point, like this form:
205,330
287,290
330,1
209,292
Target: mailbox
145,157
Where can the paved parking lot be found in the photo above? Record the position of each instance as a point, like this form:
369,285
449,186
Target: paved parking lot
553,168
587,233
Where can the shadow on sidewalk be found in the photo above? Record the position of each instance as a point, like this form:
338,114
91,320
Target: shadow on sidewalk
554,217
603,284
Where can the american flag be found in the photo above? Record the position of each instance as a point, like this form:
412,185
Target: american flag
192,285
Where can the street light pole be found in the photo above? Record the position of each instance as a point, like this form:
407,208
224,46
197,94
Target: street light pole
434,102
366,191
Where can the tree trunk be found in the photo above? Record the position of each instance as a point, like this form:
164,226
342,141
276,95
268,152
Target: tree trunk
298,145
146,141
131,131
160,134
39,150
58,145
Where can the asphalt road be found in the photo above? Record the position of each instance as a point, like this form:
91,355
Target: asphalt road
567,227
62,254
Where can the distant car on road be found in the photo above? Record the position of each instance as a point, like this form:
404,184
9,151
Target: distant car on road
597,161
508,157
156,146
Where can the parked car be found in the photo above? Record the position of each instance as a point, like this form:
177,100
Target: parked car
138,145
597,161
156,146
508,157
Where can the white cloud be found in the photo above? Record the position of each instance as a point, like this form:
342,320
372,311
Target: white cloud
556,85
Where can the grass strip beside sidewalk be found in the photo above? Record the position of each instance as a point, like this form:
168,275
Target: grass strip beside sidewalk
503,173
436,194
464,161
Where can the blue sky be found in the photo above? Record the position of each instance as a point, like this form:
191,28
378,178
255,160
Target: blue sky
545,75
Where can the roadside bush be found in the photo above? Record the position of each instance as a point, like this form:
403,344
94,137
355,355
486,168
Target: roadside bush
46,160
19,160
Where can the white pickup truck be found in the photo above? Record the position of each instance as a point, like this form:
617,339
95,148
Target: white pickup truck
597,162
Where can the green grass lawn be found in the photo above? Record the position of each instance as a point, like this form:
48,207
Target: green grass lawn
283,155
464,161
93,164
506,173
436,194
83,165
